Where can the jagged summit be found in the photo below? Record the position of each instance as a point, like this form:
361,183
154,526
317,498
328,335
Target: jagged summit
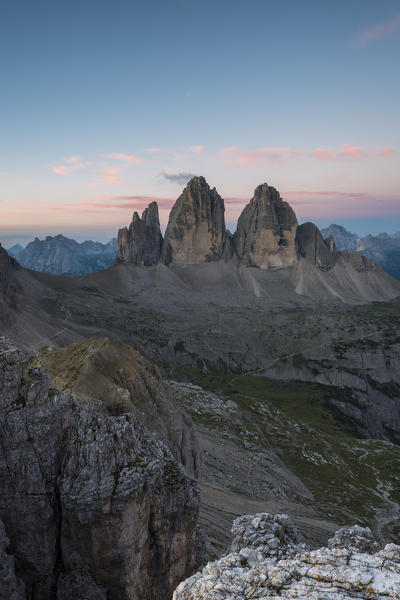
266,231
196,228
141,243
267,234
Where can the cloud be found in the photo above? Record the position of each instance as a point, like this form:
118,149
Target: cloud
378,32
197,149
323,154
74,163
180,178
108,175
234,156
350,152
126,158
387,152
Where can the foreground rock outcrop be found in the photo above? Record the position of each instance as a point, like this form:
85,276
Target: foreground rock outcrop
267,562
92,505
141,243
114,378
196,228
266,231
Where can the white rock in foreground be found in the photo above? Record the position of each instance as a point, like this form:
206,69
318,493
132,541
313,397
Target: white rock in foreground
269,561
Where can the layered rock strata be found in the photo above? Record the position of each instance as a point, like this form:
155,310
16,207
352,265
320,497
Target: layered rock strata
196,228
272,566
141,243
266,231
93,506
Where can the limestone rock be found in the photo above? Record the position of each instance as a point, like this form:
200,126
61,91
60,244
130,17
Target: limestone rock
312,246
140,244
270,535
196,228
340,572
114,378
94,507
266,231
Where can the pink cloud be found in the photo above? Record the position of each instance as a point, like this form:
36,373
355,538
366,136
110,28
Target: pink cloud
234,156
108,175
197,149
352,151
73,164
61,170
127,158
323,154
153,150
387,152
378,31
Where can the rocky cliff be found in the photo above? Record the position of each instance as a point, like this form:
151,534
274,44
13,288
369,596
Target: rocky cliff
93,506
141,243
60,255
312,246
9,288
267,562
266,231
196,228
114,378
382,249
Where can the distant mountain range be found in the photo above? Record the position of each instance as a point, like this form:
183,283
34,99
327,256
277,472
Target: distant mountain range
60,255
383,249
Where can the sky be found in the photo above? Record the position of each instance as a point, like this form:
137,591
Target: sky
106,106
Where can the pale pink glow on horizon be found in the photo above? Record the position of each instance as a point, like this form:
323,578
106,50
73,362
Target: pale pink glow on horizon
378,31
323,154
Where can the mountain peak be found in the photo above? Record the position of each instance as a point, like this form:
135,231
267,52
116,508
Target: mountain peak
266,231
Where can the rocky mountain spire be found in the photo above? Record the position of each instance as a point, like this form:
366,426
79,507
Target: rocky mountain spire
312,246
141,243
196,228
266,231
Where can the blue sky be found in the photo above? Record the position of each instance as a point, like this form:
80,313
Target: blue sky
106,104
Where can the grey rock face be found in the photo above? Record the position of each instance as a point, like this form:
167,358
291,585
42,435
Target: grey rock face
339,572
196,228
356,539
382,249
344,239
94,507
266,231
270,535
312,246
140,244
114,378
9,287
11,588
60,255
14,250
